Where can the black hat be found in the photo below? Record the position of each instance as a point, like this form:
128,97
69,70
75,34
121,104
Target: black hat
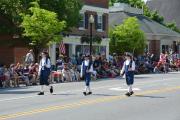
45,52
128,54
87,56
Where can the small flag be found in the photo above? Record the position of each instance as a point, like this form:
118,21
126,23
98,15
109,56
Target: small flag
62,48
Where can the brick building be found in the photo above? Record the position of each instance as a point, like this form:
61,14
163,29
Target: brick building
12,49
99,10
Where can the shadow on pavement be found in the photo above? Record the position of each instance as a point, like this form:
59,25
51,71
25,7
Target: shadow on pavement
18,92
14,88
103,95
174,73
64,94
147,96
140,77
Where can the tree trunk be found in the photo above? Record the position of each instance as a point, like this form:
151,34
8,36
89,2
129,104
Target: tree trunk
37,51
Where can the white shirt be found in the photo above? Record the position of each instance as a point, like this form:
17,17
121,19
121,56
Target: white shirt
86,63
127,63
29,57
43,63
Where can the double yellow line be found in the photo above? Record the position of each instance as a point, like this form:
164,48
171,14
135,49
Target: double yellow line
82,103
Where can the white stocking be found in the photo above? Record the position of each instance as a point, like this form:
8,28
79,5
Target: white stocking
130,88
89,89
86,89
42,88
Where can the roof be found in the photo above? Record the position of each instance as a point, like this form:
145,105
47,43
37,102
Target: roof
169,9
149,26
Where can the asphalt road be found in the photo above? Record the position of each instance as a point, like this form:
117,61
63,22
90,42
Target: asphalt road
157,97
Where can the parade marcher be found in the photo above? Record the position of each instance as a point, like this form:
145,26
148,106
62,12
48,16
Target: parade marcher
86,70
29,57
44,72
128,69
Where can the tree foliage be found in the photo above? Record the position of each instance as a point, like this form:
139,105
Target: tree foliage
127,37
173,26
41,26
10,10
67,10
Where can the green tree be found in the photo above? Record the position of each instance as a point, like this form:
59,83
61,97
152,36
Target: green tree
41,26
10,10
67,10
173,26
156,17
127,37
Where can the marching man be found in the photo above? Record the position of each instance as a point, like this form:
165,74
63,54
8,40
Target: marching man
44,72
128,69
86,70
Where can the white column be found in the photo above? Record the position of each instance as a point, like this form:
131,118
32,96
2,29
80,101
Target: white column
107,49
73,49
52,52
161,43
70,50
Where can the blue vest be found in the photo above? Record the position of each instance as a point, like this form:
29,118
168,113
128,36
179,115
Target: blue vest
85,68
128,66
47,70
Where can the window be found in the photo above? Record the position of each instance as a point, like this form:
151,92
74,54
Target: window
165,48
99,20
82,21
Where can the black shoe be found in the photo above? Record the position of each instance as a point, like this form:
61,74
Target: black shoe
128,94
131,93
84,93
51,89
34,83
41,93
89,93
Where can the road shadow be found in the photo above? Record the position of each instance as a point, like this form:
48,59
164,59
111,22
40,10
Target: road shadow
64,94
173,73
15,88
105,79
148,96
103,95
18,92
140,77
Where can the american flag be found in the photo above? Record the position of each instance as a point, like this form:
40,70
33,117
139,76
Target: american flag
62,48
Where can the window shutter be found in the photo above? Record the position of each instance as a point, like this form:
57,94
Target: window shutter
104,22
96,21
86,21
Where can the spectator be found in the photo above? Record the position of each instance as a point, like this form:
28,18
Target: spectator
33,73
23,74
59,63
29,57
66,73
7,77
74,60
75,73
14,75
1,75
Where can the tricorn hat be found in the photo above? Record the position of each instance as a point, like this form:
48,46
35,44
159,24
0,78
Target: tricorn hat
87,56
128,54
